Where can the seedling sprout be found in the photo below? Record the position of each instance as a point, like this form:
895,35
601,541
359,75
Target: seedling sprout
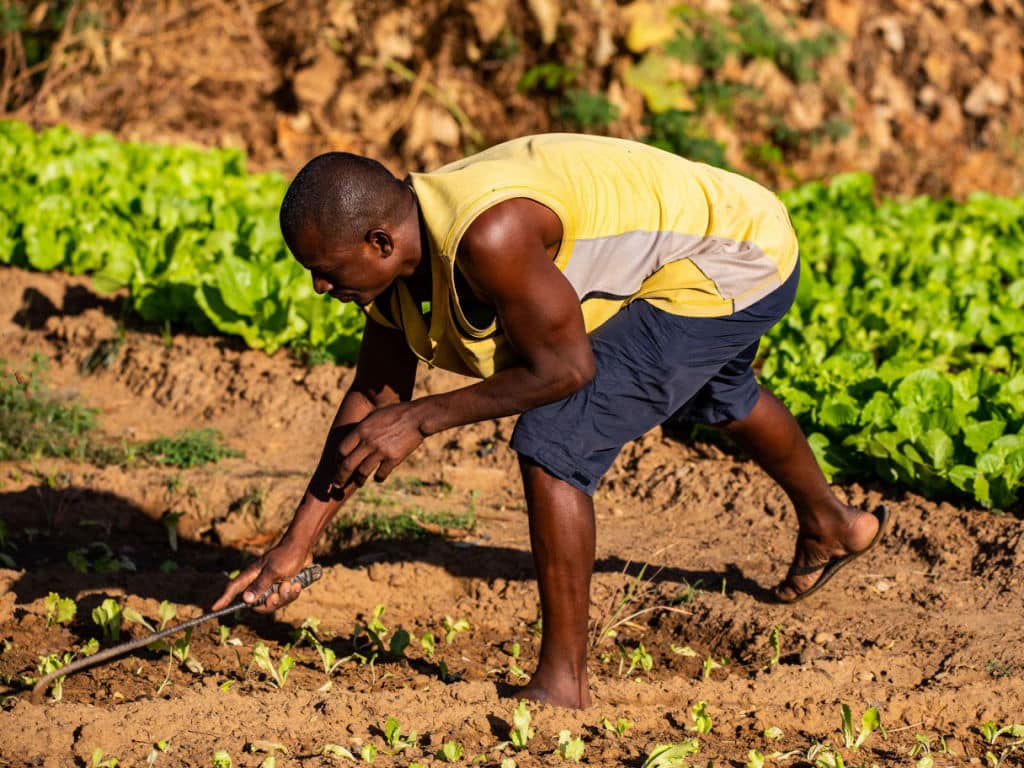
277,674
521,732
671,755
701,718
570,748
451,752
107,616
59,610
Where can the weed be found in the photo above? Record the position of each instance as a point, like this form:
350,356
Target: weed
409,524
671,755
277,674
570,748
188,448
997,669
35,422
548,75
105,353
107,615
59,610
636,589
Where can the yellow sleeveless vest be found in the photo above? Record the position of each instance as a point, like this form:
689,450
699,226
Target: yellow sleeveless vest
637,223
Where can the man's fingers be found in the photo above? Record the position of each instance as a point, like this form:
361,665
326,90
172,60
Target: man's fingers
235,586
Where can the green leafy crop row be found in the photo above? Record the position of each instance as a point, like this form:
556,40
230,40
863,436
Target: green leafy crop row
904,354
193,237
903,357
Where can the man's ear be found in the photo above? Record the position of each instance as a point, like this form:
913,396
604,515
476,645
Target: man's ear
381,239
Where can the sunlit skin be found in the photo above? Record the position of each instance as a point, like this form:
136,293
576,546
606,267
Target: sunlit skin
507,257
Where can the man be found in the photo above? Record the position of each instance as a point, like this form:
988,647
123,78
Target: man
596,286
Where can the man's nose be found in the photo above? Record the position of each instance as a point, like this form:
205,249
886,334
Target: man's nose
320,285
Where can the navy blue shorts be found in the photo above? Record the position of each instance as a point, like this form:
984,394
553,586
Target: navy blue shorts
651,365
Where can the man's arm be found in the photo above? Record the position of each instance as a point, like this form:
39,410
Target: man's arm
507,256
385,374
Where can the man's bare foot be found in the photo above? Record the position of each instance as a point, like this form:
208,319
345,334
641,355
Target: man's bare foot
556,693
818,559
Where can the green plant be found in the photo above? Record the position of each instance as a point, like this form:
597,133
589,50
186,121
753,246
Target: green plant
619,728
394,739
97,761
521,732
570,748
59,610
373,637
428,643
585,109
170,521
409,523
188,448
638,657
221,759
701,718
368,753
452,627
671,755
52,663
451,752
869,723
775,641
277,674
107,616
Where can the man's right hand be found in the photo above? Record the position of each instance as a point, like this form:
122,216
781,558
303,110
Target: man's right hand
277,566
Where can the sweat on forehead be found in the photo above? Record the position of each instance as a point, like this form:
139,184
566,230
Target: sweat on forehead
340,196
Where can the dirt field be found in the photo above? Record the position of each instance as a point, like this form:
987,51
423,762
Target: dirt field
928,628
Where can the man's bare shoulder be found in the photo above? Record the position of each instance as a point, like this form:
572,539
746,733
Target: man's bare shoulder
510,224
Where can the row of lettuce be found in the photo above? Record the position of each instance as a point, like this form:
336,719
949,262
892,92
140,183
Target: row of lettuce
903,357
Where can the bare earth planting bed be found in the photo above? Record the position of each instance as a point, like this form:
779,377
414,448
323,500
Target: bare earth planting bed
928,628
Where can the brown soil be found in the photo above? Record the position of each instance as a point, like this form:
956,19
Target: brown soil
928,628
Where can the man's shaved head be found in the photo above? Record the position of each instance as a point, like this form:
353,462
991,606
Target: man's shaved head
342,197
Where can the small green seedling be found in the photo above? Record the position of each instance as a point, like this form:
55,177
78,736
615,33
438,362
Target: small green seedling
773,733
990,731
755,759
394,739
710,664
775,641
451,752
59,610
170,521
452,628
923,747
89,647
825,756
671,755
638,658
108,616
52,663
221,759
336,750
277,674
97,760
619,728
570,748
131,615
428,642
377,634
701,718
521,732
368,752
870,722
159,747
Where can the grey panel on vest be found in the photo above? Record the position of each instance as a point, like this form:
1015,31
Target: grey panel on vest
619,264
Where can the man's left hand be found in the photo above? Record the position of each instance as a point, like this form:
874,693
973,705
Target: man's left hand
379,443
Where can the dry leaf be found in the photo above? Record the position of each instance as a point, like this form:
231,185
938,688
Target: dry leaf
546,13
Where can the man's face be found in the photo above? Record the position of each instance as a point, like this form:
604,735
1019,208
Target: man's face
357,272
